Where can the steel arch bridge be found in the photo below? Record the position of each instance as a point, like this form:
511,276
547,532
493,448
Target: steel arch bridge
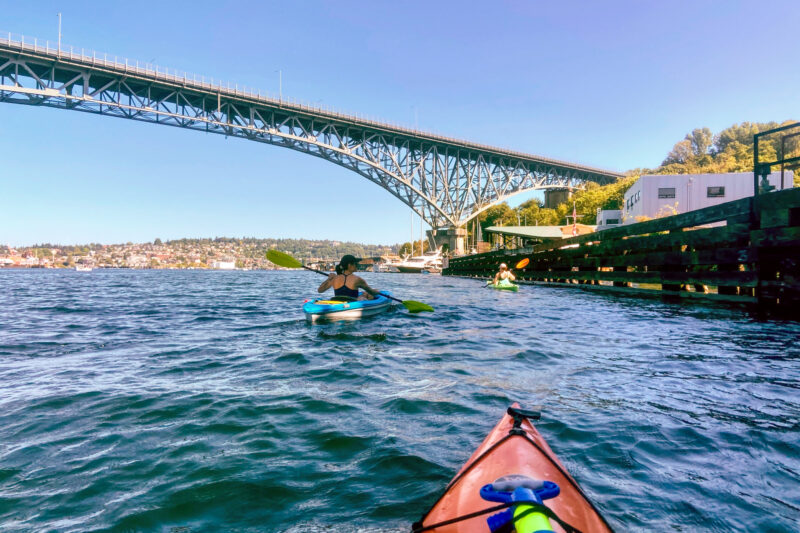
446,181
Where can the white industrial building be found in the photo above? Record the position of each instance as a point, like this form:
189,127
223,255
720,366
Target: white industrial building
655,196
608,218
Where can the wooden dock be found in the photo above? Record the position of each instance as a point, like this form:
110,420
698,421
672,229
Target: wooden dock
745,251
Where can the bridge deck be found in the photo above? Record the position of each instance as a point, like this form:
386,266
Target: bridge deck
446,181
182,79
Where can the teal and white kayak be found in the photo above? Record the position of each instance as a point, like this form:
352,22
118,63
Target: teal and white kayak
503,285
344,308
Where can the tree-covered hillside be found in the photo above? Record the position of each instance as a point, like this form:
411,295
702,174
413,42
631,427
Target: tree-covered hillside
247,247
731,150
301,248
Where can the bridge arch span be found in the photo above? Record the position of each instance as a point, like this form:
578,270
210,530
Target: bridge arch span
446,181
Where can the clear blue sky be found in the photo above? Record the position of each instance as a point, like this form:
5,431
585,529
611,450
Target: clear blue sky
612,84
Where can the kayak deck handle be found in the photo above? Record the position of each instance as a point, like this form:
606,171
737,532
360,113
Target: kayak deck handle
519,415
516,412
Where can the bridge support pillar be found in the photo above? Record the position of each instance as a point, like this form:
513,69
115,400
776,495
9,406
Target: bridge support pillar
453,237
554,197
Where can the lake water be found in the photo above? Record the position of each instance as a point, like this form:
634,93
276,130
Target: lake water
189,401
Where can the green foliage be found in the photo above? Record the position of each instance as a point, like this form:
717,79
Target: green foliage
405,248
731,150
498,215
595,197
532,213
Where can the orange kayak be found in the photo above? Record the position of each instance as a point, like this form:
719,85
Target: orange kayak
516,475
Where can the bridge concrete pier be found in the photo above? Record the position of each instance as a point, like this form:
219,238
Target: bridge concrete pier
454,237
555,197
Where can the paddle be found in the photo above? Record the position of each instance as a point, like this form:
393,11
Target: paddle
521,264
287,261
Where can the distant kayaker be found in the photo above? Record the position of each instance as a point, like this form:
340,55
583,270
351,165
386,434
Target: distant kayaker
345,283
504,273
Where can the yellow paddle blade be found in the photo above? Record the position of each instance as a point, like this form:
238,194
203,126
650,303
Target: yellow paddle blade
283,259
523,263
417,307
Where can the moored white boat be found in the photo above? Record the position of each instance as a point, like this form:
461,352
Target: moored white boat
428,261
389,263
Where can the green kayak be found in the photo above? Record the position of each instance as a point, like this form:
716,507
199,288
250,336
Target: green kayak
503,285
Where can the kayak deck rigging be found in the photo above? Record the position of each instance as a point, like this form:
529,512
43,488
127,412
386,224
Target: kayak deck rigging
513,447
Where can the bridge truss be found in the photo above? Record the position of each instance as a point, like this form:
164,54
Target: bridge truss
446,181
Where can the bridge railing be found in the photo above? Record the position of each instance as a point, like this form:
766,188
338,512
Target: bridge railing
126,65
129,66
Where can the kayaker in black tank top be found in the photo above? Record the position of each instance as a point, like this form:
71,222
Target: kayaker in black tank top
345,283
344,290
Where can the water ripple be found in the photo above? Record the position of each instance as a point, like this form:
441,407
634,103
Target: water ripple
202,401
